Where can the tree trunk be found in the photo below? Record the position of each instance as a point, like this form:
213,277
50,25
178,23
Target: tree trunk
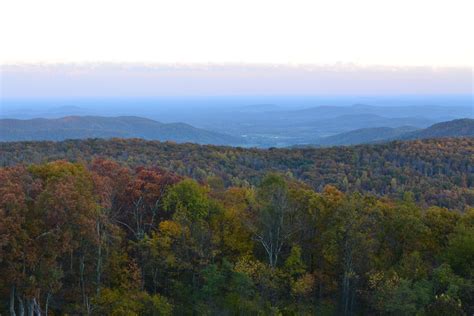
85,299
99,259
21,307
46,308
348,279
36,306
31,307
12,301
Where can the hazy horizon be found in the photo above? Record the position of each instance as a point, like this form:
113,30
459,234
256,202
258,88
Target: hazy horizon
263,71
106,80
116,49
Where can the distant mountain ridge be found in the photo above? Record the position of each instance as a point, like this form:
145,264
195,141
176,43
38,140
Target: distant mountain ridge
366,135
80,127
429,111
454,128
276,121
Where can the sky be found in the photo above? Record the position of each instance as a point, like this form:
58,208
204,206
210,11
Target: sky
422,46
133,80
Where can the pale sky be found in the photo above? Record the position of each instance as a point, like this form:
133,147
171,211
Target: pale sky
136,80
364,32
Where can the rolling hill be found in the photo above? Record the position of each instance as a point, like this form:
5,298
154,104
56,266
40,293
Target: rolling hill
365,135
454,128
81,127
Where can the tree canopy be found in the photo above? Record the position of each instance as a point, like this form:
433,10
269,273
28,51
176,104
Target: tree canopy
100,237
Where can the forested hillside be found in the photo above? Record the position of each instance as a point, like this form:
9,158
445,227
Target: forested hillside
455,128
365,136
81,127
102,238
438,172
461,127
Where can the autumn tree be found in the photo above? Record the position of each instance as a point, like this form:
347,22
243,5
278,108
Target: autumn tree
273,221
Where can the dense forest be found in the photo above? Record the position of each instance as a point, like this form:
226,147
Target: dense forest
439,172
101,238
